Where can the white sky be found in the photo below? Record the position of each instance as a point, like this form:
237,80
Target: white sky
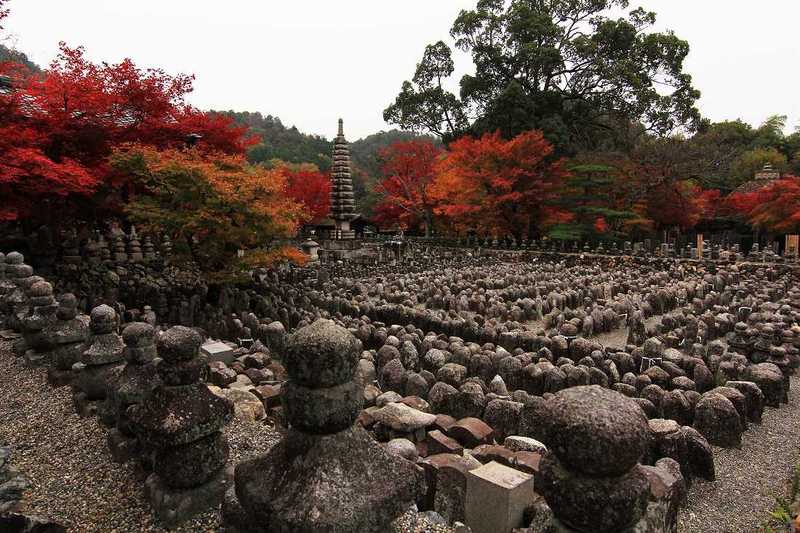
311,61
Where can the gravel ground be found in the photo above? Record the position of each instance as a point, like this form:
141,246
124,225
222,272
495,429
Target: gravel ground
74,481
748,479
618,338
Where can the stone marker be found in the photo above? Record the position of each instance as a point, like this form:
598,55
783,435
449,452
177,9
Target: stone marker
67,336
497,497
218,351
136,382
100,365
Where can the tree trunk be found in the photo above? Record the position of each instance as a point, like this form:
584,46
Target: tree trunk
428,222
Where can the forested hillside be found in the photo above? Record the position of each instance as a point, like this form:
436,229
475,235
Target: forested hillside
10,54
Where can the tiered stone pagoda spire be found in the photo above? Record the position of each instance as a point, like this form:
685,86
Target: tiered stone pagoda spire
343,204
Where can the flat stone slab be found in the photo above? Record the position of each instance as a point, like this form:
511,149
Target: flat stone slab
217,351
9,335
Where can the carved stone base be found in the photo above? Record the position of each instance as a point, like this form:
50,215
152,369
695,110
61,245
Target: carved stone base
85,407
123,448
59,378
173,506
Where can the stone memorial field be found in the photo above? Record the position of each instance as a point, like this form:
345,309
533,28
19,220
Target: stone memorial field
538,281
457,389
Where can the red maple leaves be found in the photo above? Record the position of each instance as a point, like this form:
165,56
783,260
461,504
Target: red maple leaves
60,127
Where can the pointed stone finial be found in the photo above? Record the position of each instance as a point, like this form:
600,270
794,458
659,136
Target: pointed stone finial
341,127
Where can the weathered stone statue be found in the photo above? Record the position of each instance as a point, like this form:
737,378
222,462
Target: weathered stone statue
119,255
68,339
43,315
134,385
15,303
327,474
100,362
148,249
135,248
181,421
593,482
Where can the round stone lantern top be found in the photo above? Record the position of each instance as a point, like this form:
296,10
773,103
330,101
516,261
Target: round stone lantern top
103,319
15,258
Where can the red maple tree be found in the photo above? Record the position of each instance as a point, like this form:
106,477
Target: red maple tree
408,170
312,189
680,204
775,207
59,127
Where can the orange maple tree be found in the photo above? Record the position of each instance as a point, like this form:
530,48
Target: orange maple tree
499,187
213,205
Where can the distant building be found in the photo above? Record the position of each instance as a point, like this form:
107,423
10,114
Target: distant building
343,203
763,178
342,223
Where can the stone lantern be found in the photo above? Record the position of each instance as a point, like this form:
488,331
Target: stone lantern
311,249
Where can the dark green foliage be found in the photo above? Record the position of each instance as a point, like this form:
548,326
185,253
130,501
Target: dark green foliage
729,153
280,142
596,197
562,66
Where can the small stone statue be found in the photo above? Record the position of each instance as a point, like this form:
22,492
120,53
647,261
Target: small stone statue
100,365
181,421
135,384
68,338
339,478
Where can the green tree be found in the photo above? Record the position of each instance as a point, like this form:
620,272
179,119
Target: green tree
562,66
745,166
15,56
600,197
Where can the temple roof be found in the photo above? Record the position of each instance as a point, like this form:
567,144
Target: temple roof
763,178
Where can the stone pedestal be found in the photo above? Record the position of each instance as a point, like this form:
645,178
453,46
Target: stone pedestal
174,506
497,497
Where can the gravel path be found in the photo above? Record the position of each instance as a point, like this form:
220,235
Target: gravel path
74,481
748,479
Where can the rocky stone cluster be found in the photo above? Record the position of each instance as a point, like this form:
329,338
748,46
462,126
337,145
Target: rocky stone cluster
608,379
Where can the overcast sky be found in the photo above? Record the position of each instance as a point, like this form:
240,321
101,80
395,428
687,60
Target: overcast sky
311,61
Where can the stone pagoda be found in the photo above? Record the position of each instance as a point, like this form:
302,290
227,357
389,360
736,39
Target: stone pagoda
327,475
343,204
